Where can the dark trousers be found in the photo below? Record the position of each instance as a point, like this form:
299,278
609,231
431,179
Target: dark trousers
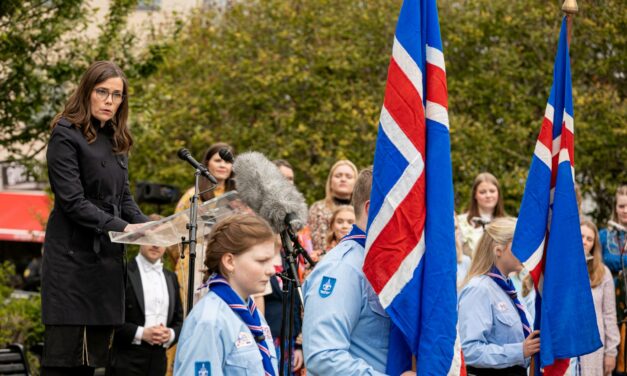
75,348
138,360
67,371
510,371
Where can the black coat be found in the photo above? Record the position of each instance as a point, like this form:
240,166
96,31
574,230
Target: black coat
83,272
135,309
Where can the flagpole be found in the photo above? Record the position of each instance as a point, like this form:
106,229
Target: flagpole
570,8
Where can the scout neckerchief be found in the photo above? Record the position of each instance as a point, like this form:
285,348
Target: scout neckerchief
507,286
357,235
248,314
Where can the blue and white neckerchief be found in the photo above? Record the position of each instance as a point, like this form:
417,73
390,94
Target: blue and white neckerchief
357,235
247,312
507,286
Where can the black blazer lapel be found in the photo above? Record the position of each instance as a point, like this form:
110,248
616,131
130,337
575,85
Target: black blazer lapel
171,293
136,283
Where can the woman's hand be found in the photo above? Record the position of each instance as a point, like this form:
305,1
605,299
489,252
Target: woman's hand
609,363
297,360
531,345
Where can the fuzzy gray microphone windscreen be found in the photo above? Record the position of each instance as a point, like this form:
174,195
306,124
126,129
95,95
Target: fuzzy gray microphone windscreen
263,188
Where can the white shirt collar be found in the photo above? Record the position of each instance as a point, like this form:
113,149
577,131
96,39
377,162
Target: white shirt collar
147,266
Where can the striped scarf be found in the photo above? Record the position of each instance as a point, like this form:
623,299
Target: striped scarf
507,286
248,314
357,235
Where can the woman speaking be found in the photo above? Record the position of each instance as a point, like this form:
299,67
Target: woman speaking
83,272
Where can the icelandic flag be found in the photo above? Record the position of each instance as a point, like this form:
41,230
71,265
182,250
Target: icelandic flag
410,247
548,236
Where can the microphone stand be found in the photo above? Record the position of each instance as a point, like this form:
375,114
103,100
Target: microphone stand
291,285
192,226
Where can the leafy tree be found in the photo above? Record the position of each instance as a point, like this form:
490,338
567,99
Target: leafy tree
500,64
301,80
43,52
304,80
20,317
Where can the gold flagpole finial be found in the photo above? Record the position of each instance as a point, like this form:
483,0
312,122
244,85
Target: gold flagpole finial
570,7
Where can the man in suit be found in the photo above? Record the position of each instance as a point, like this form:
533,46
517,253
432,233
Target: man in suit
154,317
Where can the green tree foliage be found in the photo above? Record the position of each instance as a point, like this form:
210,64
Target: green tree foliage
301,80
499,59
32,70
43,52
304,81
20,317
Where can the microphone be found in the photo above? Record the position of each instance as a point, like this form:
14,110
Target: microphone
185,155
226,155
617,226
263,188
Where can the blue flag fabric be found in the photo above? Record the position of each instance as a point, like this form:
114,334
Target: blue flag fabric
548,236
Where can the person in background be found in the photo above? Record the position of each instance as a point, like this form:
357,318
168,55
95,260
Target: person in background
220,169
154,316
486,204
345,328
223,172
83,272
225,334
613,240
495,334
342,221
463,261
338,191
285,168
603,361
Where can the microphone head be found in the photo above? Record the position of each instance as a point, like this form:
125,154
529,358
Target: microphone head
263,188
183,153
226,155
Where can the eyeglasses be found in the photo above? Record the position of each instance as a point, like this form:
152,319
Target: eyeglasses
103,94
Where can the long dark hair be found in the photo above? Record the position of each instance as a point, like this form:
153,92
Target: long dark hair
229,183
78,107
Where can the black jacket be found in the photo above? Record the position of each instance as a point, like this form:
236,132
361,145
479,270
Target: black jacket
83,272
135,310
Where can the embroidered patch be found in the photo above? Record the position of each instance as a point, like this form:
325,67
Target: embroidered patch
266,332
202,369
326,286
244,339
501,306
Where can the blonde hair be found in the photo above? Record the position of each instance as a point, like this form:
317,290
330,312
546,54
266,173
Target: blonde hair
596,269
336,212
473,206
499,232
328,199
235,234
620,191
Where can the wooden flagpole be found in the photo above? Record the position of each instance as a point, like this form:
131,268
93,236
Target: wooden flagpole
570,8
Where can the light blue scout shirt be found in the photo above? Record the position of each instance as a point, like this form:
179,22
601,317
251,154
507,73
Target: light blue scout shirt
345,329
489,326
215,341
